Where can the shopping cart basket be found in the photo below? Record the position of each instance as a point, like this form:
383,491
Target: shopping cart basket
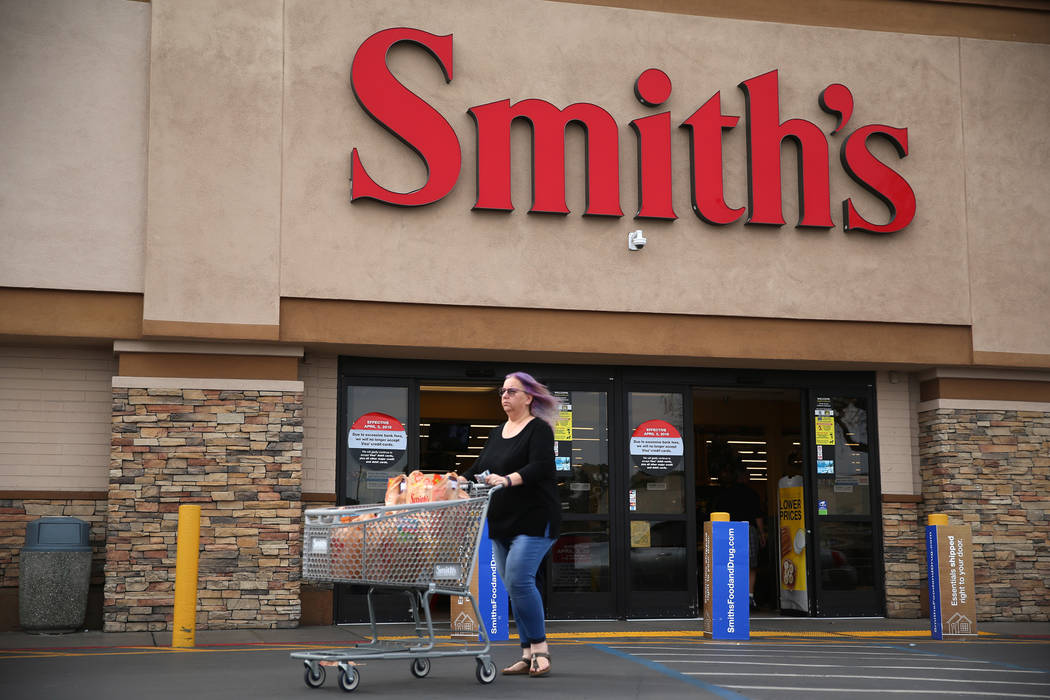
424,549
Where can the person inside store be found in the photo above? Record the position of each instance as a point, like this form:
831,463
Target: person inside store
524,515
738,499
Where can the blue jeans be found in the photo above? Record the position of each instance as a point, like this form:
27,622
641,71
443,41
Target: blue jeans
517,561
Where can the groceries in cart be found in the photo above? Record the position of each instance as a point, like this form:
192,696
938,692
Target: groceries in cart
360,549
418,487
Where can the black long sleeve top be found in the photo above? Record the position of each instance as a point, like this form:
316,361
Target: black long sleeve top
533,506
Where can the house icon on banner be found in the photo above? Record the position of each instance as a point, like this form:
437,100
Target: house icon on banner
464,623
959,624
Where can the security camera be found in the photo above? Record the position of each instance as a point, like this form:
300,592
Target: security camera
636,240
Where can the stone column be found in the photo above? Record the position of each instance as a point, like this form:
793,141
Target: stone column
235,448
903,551
990,469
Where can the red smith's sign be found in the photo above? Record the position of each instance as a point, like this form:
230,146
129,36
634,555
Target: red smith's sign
430,135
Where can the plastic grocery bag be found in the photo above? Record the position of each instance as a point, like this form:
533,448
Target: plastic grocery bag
427,488
395,490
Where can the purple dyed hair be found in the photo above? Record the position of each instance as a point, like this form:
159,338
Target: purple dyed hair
544,404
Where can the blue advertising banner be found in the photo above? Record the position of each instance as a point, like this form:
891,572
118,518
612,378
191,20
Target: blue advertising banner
492,594
727,613
933,581
488,592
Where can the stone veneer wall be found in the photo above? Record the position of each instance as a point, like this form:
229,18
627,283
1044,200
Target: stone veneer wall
990,469
903,551
237,454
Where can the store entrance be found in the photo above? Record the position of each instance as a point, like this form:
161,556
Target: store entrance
799,465
643,456
749,444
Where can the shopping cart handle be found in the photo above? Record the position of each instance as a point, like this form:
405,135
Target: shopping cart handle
476,489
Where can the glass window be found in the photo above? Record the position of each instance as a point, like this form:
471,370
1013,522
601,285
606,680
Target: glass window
657,476
580,558
847,554
376,442
658,555
582,452
842,454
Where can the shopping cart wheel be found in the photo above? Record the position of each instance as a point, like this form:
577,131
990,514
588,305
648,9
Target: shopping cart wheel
313,680
486,672
420,667
348,678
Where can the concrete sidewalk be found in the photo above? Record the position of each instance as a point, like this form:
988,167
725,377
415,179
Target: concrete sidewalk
761,628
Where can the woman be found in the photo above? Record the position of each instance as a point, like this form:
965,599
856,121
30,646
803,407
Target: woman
524,516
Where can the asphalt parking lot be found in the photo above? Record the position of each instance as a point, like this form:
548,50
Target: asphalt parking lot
612,661
839,669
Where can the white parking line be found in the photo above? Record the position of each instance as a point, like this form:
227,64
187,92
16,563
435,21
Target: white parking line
747,645
780,655
850,675
794,665
910,691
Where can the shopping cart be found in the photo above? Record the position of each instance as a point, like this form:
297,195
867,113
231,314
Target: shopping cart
423,549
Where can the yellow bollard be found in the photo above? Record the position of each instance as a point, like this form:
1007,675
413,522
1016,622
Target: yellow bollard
719,517
184,634
937,519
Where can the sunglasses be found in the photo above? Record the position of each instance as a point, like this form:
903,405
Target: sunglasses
509,390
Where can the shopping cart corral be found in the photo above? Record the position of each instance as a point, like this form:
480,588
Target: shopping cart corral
423,549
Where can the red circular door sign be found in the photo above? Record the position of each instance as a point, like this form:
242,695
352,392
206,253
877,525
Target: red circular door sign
377,441
656,447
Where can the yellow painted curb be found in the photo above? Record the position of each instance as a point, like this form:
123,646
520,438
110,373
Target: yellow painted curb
754,634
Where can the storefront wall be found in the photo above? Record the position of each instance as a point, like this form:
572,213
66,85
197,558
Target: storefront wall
55,408
212,214
233,222
270,82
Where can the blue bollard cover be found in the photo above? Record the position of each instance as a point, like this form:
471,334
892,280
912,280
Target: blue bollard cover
727,612
492,595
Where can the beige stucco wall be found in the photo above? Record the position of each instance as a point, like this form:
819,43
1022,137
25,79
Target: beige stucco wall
567,53
1006,120
215,161
55,407
898,394
73,80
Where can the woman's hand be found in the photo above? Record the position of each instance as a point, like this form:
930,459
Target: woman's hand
497,480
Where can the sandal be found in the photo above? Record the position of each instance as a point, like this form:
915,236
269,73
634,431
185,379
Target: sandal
535,671
525,664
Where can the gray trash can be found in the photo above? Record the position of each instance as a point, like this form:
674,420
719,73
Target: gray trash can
54,573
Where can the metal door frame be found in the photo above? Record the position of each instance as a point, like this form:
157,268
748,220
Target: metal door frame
822,603
687,600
